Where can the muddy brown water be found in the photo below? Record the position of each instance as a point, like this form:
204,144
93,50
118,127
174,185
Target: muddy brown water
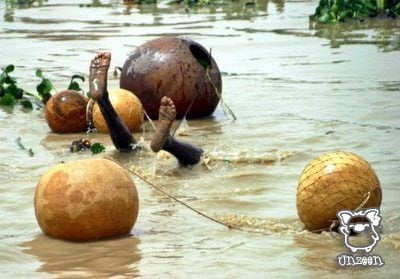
298,90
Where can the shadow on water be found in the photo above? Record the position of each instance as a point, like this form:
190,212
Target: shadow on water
95,259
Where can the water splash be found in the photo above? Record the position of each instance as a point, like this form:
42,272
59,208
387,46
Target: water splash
244,157
264,226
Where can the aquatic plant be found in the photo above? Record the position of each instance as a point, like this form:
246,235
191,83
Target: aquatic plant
330,11
45,87
84,145
11,94
22,147
21,2
97,148
74,85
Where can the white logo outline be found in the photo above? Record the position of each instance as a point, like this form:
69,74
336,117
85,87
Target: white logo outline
374,220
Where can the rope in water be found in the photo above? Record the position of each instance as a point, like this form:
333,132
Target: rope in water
216,91
159,189
224,105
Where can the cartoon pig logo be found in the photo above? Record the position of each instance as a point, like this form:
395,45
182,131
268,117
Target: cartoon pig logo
371,222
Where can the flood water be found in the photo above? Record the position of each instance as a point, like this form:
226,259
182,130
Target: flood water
298,91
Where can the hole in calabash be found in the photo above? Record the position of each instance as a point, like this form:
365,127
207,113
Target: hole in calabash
201,55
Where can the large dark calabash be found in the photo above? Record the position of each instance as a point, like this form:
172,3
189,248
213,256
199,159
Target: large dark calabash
179,68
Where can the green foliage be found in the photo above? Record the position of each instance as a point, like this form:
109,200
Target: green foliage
19,143
196,2
10,93
147,1
20,2
330,11
204,2
395,8
26,104
97,148
45,87
74,85
7,100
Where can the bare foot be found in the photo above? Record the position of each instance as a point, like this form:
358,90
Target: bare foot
98,74
166,117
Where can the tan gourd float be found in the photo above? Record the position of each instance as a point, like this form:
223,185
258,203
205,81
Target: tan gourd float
333,182
126,104
65,112
86,200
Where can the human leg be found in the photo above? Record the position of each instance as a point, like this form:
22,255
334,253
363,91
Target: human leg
120,134
186,153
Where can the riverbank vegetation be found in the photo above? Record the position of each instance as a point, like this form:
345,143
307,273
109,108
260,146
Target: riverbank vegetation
331,11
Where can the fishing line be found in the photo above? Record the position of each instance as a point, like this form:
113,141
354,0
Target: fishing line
148,118
159,189
186,112
216,91
223,103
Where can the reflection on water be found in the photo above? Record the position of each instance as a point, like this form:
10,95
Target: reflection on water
384,33
118,256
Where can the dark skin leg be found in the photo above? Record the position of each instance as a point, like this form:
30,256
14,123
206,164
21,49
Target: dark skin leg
186,153
120,134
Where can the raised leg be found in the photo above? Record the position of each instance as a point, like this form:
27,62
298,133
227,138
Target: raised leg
120,134
187,154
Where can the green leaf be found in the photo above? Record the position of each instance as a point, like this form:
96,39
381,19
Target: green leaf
47,84
78,77
20,93
9,80
97,148
44,88
325,18
11,89
45,97
7,100
73,85
2,78
26,104
9,68
39,73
